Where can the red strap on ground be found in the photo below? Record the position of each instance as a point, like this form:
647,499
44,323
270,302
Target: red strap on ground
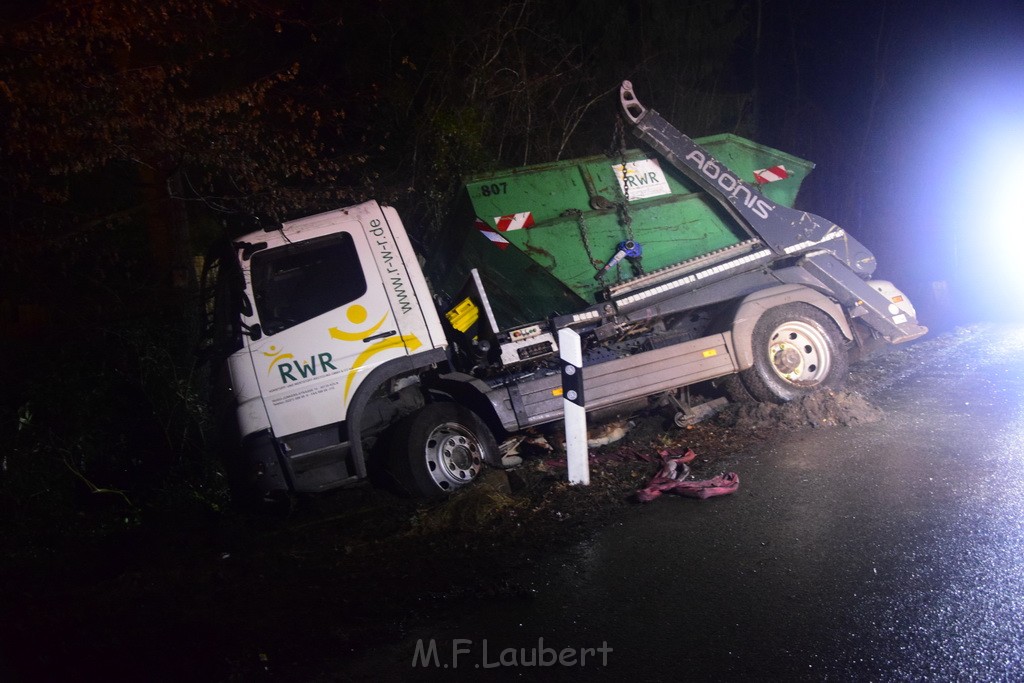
671,478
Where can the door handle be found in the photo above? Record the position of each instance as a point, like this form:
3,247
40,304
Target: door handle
382,335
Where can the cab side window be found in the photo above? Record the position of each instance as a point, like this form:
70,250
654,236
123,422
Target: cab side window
295,283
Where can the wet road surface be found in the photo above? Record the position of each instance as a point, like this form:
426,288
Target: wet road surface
891,551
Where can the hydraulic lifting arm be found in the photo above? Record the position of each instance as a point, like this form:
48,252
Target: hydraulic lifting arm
822,248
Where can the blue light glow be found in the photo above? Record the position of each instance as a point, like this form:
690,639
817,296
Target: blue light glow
963,133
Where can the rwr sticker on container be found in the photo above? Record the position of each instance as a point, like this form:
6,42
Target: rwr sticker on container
641,179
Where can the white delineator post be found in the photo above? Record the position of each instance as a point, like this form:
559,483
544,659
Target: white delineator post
573,404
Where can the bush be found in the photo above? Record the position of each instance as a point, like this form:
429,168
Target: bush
107,430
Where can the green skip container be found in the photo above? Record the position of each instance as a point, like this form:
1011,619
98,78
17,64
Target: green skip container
540,234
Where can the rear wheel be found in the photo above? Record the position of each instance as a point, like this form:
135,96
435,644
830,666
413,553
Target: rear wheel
798,349
440,449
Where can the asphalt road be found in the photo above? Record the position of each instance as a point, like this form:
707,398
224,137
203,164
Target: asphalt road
891,551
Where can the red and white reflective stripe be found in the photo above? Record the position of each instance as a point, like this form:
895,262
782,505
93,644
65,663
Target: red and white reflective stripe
515,221
488,232
770,175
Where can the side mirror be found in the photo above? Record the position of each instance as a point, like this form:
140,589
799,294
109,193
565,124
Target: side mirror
254,332
244,305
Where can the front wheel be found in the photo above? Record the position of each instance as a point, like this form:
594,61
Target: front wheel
439,449
798,349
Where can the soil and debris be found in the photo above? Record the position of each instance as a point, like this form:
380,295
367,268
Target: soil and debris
821,409
237,596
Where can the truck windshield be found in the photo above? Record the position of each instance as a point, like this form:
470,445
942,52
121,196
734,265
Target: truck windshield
298,282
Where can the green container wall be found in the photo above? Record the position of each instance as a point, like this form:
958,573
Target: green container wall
545,269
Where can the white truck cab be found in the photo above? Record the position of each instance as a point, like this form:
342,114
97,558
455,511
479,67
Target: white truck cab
323,303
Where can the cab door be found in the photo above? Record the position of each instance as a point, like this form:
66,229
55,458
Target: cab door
325,316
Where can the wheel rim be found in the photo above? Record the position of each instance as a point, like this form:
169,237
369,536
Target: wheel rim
799,353
453,455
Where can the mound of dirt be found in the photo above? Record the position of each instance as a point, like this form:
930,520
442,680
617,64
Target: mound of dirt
820,409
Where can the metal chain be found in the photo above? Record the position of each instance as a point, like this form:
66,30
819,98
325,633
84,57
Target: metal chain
584,234
623,210
624,218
